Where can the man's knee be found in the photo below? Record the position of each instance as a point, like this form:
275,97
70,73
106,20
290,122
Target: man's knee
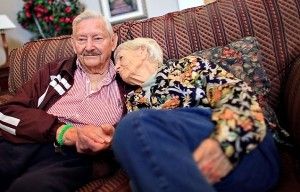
30,182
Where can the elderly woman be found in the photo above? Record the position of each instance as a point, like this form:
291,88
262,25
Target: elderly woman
205,144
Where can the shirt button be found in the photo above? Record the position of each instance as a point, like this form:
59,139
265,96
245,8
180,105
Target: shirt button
77,115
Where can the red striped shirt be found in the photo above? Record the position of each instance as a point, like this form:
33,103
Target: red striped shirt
81,106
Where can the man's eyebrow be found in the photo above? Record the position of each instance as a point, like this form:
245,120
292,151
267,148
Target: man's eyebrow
81,35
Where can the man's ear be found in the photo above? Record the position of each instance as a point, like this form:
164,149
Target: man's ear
114,41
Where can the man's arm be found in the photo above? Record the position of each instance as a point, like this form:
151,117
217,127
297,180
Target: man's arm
20,119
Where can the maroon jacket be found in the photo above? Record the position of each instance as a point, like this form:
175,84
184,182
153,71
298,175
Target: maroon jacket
24,118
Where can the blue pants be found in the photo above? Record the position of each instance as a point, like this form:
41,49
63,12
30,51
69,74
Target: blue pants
155,148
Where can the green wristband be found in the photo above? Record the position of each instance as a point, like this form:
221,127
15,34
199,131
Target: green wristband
60,138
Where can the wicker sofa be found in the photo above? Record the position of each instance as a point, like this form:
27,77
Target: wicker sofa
274,23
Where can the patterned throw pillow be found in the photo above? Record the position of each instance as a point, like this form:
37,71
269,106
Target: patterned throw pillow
242,59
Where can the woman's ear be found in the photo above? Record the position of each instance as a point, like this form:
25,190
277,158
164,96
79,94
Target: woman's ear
143,52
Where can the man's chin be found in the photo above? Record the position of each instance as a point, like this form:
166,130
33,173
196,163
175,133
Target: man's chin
86,58
91,56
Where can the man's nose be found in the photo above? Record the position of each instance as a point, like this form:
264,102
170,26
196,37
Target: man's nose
89,44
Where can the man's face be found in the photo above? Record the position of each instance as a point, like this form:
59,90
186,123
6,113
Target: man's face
93,43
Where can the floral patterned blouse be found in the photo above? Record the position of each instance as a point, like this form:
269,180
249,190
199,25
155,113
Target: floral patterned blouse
191,82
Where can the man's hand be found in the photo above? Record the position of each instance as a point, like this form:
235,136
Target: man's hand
211,161
92,139
70,136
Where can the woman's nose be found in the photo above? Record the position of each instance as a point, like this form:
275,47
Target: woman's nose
117,66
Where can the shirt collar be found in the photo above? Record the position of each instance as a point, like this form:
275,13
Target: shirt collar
111,70
108,79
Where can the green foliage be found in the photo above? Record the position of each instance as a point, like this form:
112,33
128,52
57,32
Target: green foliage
49,18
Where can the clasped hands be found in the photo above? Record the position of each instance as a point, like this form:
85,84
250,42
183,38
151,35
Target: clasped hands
89,138
209,157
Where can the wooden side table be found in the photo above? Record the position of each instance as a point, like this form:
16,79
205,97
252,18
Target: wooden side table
4,71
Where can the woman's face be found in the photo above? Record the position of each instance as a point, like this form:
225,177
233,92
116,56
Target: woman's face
131,66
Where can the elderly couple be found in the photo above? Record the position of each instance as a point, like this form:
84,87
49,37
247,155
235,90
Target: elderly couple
190,126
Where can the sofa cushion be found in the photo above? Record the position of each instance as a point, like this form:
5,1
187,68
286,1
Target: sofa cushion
25,61
292,101
275,24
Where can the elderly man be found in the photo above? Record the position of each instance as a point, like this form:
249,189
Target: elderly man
73,103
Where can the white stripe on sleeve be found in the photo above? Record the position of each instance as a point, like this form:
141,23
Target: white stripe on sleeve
9,119
8,129
65,83
59,89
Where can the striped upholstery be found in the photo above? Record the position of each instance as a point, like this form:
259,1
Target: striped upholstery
25,61
117,182
274,23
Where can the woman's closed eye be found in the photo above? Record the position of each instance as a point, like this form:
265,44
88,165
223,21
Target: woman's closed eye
120,58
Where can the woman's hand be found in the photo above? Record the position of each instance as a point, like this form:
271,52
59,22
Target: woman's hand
92,139
211,161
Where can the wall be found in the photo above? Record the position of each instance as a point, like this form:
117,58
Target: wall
18,36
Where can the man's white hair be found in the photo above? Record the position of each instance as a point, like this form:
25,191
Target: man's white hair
154,50
89,14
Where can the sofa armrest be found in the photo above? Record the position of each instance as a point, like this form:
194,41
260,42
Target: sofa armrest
5,97
291,101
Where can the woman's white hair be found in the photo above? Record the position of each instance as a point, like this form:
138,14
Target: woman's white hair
89,14
154,50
